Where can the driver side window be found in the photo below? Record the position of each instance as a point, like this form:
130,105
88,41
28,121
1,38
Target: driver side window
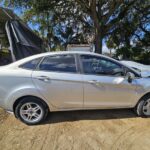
100,66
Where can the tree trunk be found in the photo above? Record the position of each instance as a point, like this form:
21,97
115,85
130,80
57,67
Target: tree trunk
98,29
98,41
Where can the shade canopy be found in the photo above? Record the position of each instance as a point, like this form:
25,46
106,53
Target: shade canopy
22,40
7,14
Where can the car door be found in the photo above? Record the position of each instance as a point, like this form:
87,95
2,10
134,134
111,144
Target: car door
104,83
58,80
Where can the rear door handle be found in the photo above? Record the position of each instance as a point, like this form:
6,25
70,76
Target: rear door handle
43,78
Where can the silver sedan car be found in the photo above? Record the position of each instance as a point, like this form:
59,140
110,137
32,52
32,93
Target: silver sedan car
61,81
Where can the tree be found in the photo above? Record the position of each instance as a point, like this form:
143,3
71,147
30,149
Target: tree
105,15
131,36
101,16
60,22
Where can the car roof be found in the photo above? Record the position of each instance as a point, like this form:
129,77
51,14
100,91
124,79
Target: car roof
22,61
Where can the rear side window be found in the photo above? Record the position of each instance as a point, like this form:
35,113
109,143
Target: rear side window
31,65
59,63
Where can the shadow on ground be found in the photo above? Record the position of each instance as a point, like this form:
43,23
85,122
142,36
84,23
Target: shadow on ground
65,116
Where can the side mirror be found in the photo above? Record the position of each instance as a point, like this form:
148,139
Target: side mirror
130,77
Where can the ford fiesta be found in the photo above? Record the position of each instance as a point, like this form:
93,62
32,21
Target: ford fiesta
33,86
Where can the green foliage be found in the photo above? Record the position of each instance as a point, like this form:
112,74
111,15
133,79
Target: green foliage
85,18
131,36
124,24
60,22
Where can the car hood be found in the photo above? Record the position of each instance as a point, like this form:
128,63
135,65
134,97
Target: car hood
145,74
139,66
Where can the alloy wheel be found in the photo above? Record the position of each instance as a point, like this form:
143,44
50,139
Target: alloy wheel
146,108
31,112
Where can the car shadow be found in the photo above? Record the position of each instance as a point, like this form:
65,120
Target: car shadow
71,116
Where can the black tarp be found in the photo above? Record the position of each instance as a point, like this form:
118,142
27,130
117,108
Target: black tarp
23,41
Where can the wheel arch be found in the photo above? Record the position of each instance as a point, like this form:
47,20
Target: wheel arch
29,96
145,95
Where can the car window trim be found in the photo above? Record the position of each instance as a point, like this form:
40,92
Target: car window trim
37,67
74,56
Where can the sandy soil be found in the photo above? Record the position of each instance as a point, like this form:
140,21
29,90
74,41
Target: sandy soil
78,130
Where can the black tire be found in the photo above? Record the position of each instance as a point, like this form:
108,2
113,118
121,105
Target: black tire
43,110
139,109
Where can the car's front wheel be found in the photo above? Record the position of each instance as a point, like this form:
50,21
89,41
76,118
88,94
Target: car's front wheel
31,111
143,107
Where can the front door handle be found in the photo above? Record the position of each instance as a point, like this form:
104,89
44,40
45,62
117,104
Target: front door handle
94,82
43,78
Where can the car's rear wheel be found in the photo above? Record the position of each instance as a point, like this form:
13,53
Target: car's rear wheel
31,111
143,107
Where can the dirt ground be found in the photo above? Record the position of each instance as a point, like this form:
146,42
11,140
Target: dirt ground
77,130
